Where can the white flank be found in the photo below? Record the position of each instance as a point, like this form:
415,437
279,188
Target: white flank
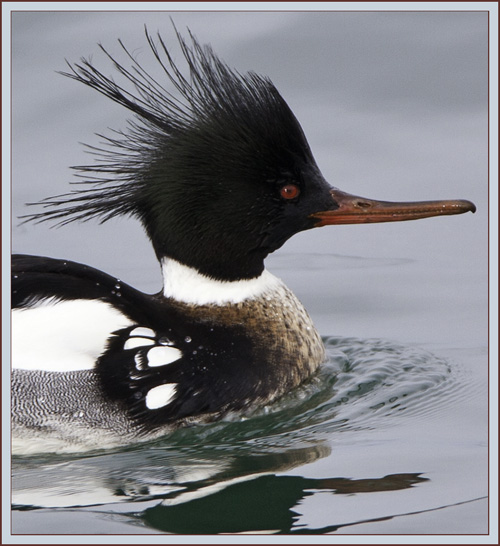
160,396
62,336
160,356
186,284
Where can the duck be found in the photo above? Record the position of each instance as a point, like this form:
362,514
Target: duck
217,169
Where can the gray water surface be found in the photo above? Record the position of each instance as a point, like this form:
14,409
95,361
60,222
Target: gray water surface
387,438
391,437
373,436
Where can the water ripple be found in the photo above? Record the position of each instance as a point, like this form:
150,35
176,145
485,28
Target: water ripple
366,384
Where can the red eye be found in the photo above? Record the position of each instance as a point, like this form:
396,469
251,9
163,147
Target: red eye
290,191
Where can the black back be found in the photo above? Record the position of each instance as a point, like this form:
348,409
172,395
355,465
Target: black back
222,366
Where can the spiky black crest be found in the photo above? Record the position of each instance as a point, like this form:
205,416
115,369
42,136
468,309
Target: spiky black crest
218,124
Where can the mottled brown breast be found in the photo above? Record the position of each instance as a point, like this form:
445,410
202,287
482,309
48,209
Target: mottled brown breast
283,337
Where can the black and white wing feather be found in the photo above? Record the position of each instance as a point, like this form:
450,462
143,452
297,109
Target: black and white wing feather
164,377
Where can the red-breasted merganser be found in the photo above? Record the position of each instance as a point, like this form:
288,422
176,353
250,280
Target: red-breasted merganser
220,174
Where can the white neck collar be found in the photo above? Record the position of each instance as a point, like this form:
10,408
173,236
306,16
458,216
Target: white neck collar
186,284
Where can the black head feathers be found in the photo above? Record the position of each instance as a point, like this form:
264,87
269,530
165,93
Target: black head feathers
240,121
217,146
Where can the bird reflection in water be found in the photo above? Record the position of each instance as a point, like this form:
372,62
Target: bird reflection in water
253,495
262,505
